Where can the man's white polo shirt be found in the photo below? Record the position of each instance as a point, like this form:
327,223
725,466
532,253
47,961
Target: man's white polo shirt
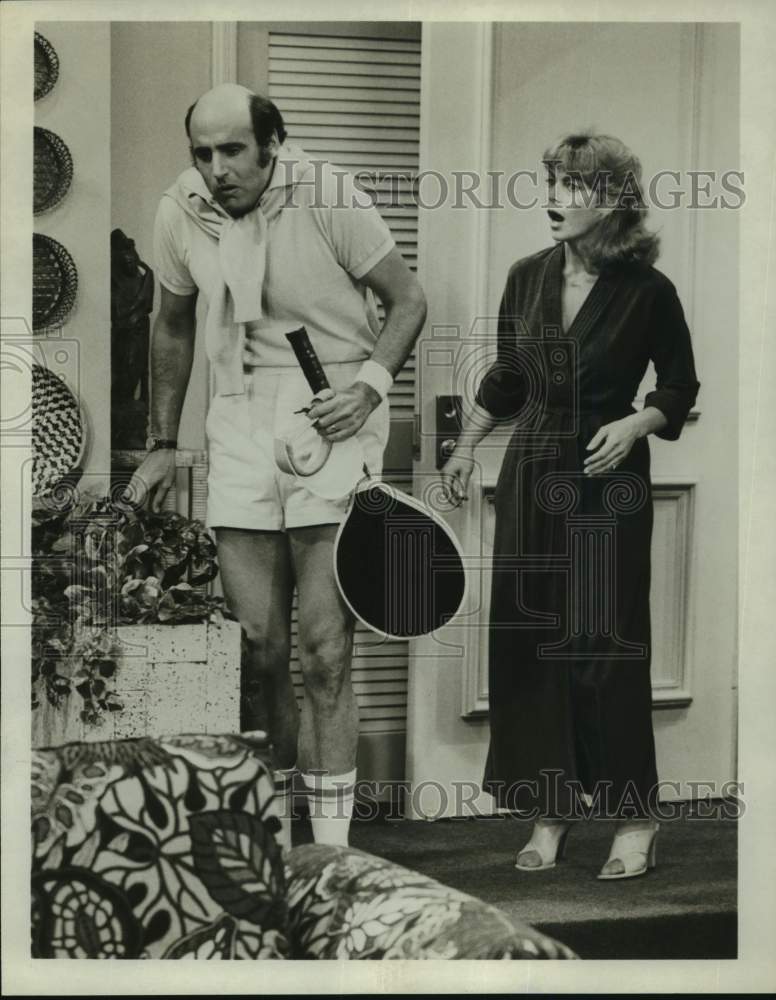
323,236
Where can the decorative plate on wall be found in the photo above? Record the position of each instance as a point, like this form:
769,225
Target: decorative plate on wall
54,283
52,170
46,66
58,431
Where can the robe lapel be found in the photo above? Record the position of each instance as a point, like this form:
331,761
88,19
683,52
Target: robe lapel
552,283
593,307
590,311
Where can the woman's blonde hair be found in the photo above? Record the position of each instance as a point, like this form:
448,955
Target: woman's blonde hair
613,173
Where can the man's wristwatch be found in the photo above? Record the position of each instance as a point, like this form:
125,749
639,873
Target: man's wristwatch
156,443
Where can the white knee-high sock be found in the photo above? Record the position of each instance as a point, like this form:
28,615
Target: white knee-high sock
284,796
330,797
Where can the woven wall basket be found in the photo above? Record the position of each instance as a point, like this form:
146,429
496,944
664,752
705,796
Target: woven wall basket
54,283
46,66
52,170
58,431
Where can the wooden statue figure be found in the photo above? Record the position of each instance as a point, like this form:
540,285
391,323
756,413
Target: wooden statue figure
132,299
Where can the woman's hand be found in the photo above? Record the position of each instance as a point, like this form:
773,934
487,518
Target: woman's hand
457,472
613,443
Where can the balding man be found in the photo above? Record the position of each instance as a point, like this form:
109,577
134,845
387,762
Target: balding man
271,242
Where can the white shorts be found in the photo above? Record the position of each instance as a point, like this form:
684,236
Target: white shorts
246,489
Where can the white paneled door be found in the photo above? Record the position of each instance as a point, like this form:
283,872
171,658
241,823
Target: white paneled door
494,97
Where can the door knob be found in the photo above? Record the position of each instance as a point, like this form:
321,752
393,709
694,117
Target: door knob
448,427
447,447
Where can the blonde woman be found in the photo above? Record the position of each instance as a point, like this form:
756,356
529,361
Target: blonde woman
570,693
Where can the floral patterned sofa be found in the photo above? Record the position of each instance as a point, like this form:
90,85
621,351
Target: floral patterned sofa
165,848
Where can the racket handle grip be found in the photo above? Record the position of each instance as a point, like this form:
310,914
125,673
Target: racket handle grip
308,360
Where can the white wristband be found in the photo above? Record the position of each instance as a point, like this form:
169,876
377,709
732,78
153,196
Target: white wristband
375,376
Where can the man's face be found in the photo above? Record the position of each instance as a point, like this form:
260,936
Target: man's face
227,155
573,209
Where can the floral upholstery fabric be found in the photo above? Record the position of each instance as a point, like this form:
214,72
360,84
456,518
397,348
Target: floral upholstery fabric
345,904
157,848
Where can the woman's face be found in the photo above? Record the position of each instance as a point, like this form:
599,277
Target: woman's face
572,207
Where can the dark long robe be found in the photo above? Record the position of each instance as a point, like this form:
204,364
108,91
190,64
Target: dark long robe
570,692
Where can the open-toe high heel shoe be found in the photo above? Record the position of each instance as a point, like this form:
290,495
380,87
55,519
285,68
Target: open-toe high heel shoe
632,853
546,846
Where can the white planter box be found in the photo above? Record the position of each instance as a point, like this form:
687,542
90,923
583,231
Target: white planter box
170,679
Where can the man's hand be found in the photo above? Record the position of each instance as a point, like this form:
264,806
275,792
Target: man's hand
340,417
152,479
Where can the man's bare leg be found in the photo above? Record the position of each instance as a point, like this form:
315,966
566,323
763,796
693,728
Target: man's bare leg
329,731
257,577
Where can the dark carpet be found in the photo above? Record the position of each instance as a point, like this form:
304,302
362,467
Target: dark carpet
684,909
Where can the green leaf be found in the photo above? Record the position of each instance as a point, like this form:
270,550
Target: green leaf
133,534
92,546
77,593
173,574
202,570
130,610
104,643
63,544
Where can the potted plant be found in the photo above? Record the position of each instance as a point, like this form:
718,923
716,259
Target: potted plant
108,582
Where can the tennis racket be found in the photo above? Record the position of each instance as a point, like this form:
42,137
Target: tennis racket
397,564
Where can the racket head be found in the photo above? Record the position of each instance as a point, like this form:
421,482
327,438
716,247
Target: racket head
302,453
330,470
340,473
398,565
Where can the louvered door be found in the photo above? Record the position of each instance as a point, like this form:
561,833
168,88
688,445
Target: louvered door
349,93
355,101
